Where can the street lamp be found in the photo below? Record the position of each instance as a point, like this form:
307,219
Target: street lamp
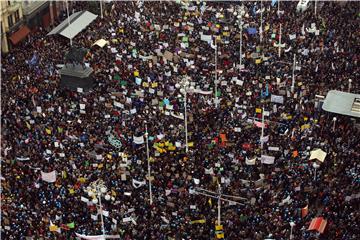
293,74
334,123
68,18
261,21
220,197
219,205
240,23
216,73
148,161
262,128
315,166
279,44
292,224
349,88
95,190
183,85
101,9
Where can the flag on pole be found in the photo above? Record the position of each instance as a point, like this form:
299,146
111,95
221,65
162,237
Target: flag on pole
71,225
220,235
54,228
259,124
219,227
318,224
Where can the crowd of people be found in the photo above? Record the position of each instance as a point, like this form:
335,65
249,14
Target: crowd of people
261,169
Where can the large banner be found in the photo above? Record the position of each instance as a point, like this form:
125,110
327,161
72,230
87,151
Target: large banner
97,237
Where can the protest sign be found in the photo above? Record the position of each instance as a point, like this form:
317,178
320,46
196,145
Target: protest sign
267,159
48,177
277,99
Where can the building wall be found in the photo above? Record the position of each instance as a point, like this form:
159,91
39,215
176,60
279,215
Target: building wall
11,19
34,11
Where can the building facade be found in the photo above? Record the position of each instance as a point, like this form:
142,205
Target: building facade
20,18
11,21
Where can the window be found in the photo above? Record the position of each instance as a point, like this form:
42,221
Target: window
17,16
9,3
10,21
356,105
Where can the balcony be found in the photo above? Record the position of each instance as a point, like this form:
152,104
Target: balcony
13,7
32,6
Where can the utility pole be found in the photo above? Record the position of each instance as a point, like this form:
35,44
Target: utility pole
293,74
241,40
262,128
68,18
185,118
220,197
280,42
278,9
101,213
216,77
148,162
219,205
101,9
261,21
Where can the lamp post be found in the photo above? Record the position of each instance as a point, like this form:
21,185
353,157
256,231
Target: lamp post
261,22
292,224
68,18
95,190
148,161
216,72
349,88
262,128
334,123
220,197
278,10
315,166
293,74
183,85
101,9
239,15
279,45
219,205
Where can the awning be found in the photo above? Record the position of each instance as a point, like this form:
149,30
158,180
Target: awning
19,35
342,103
78,22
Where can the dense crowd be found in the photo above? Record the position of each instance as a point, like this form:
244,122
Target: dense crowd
152,47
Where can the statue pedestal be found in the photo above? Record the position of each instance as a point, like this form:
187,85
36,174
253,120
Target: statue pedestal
76,76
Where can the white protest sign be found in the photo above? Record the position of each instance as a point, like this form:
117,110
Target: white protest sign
48,177
277,99
138,140
267,159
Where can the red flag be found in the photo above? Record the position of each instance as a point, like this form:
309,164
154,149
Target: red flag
246,146
304,211
65,227
223,139
318,224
